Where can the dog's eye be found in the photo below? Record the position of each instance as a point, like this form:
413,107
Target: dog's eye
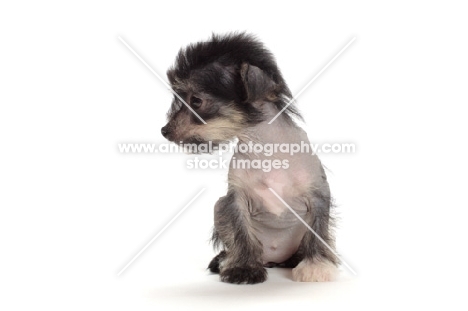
195,102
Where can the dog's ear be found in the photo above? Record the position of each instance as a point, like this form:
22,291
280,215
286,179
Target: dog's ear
257,84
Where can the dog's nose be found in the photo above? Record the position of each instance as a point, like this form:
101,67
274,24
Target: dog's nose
164,131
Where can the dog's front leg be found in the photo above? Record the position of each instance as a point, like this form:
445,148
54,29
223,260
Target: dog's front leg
242,261
319,263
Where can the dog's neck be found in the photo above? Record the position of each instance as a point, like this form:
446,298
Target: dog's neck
282,129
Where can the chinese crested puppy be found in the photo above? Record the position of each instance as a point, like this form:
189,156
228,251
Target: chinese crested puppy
231,89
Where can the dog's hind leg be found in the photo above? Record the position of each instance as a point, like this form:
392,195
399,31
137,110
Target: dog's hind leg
216,262
241,262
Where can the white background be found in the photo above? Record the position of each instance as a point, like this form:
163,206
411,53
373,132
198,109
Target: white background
74,211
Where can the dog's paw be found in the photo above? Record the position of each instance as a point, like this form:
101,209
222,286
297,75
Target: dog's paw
215,263
315,271
244,275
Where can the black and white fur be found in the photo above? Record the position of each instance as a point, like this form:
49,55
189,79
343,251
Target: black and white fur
233,83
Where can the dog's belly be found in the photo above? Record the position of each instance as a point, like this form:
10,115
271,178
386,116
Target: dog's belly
280,235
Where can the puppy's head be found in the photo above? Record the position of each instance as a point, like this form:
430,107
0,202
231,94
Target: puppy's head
222,86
